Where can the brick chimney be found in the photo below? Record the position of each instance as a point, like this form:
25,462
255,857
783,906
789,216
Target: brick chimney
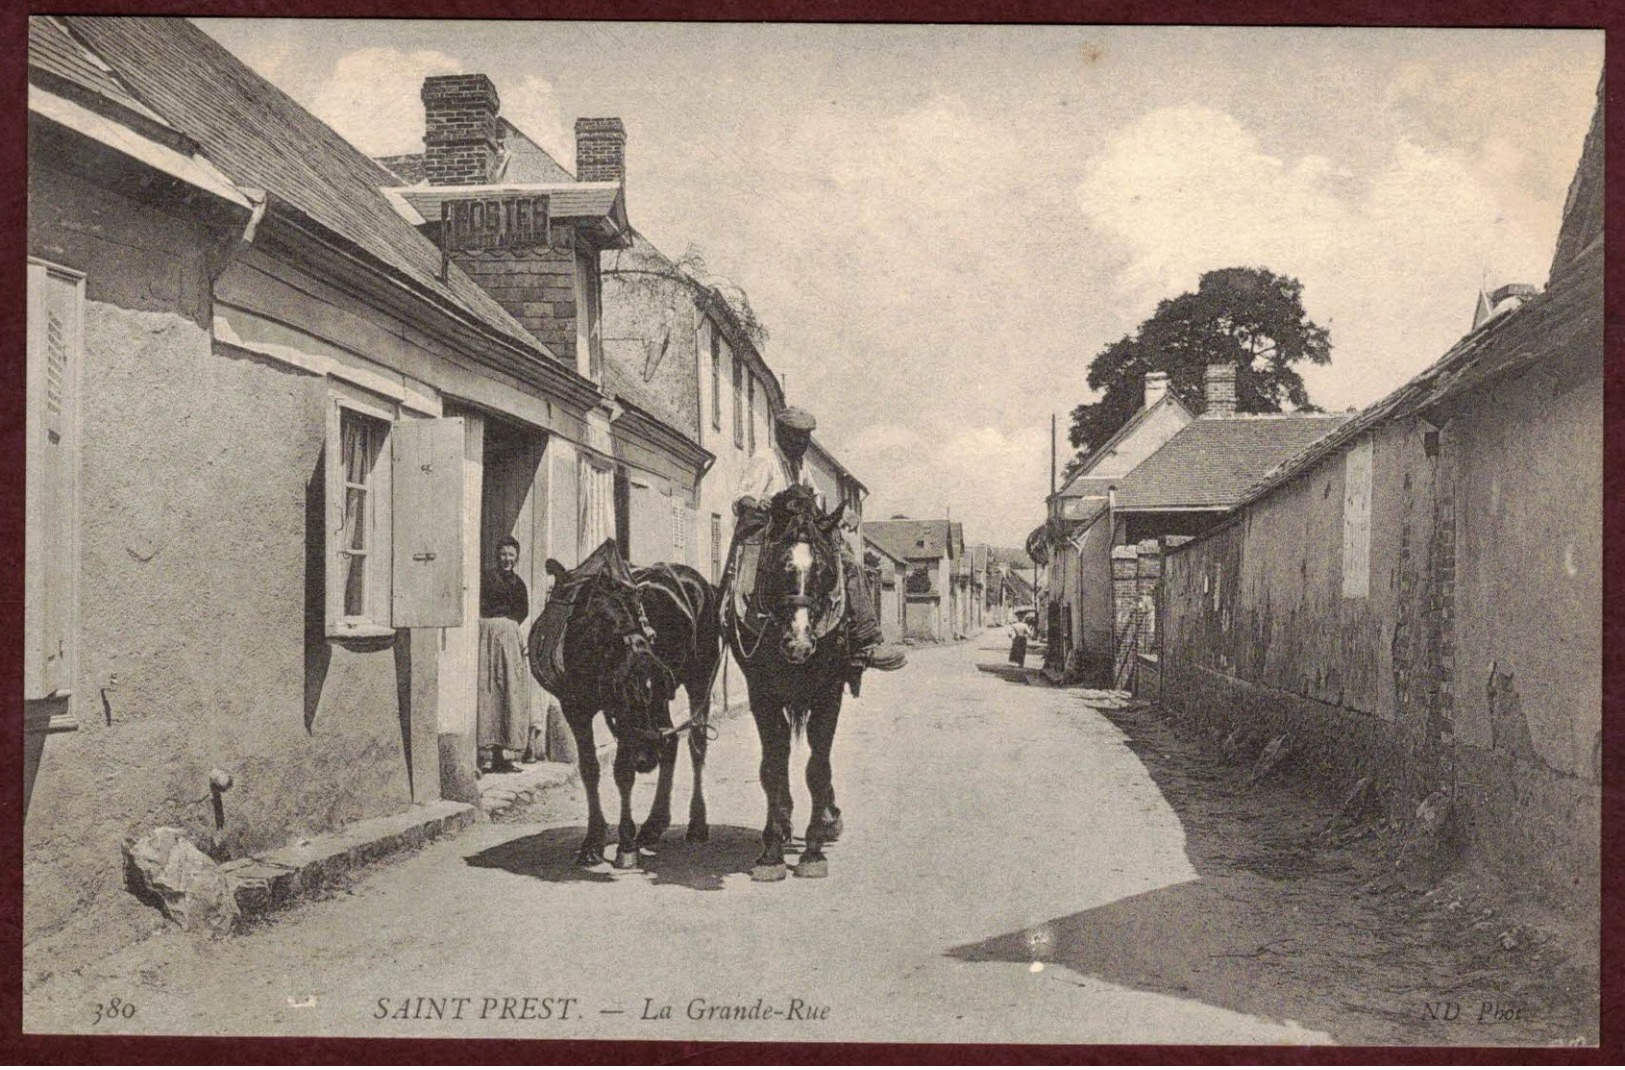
1156,387
461,142
1219,385
600,151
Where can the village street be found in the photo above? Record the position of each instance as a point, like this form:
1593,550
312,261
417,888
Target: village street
1012,871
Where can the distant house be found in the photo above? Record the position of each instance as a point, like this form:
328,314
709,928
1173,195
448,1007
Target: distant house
886,575
930,549
1183,486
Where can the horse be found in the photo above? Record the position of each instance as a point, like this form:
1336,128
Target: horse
682,608
790,640
599,647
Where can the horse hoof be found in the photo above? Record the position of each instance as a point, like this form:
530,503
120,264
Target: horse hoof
776,872
650,837
833,833
699,834
626,859
816,868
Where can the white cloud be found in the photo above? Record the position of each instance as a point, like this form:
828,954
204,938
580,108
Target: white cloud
991,480
373,97
533,107
1390,263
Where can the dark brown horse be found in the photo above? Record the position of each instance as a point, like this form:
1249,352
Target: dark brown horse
788,634
620,642
681,608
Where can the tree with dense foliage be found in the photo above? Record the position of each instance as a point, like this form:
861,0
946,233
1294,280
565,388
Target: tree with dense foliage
1249,317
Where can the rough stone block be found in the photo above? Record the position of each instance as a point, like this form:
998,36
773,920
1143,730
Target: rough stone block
168,869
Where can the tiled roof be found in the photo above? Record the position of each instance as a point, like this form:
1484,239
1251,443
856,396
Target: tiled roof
407,168
1214,462
624,383
1583,210
1070,489
262,139
909,539
52,49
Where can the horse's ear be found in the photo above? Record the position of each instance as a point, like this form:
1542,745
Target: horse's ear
555,570
830,523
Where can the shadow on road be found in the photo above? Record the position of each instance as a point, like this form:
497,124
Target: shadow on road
550,855
1282,928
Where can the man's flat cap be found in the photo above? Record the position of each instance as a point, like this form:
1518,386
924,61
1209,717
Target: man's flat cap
794,419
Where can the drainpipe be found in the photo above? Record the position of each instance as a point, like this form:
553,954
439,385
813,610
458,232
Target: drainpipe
222,258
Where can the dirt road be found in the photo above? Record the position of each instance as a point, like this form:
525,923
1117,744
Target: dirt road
1017,866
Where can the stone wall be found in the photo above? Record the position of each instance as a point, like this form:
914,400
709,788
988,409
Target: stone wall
1469,660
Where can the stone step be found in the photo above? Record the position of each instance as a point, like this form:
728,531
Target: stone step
270,880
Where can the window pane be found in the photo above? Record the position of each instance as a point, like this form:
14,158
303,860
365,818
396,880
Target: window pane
354,568
358,448
355,519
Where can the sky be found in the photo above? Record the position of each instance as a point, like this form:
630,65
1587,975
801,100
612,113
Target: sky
941,226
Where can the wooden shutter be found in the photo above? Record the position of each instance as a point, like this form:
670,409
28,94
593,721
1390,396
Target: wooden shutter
55,348
427,459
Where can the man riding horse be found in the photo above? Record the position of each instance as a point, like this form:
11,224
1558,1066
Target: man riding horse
765,478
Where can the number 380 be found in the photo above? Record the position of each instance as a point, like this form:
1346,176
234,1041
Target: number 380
114,1010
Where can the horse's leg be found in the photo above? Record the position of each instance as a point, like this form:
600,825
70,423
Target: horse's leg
824,826
774,731
659,819
626,776
699,712
592,847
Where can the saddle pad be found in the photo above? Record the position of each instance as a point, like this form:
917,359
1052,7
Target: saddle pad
544,647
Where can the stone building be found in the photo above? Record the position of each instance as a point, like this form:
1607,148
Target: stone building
1164,474
1417,598
274,422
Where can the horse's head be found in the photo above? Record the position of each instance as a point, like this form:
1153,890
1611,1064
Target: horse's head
633,684
801,570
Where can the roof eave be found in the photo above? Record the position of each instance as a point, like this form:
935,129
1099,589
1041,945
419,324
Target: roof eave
533,363
194,170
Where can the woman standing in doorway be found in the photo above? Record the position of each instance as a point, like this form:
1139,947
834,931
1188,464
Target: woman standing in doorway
504,697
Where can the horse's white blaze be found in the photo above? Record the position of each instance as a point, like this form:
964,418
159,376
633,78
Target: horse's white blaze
801,560
800,567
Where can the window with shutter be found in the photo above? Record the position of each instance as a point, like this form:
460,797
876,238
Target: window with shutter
359,508
55,354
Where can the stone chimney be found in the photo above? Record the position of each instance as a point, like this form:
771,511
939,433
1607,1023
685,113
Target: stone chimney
600,151
1156,387
461,142
1219,386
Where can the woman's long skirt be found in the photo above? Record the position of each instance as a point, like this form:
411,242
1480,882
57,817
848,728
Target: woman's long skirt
504,695
1018,650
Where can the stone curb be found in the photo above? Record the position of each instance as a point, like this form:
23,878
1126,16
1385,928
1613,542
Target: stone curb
271,880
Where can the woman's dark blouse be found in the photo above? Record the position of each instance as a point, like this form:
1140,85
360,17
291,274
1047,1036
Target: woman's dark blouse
503,594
